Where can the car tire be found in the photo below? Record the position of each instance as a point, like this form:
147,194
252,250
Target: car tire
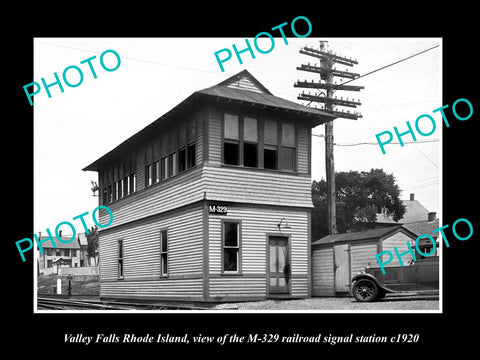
365,290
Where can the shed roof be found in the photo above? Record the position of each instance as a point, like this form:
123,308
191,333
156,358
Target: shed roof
240,89
370,234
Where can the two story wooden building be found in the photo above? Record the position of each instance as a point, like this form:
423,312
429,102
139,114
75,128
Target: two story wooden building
211,202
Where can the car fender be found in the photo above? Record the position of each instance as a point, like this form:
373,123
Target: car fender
374,279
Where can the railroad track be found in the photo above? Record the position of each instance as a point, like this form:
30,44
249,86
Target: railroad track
45,303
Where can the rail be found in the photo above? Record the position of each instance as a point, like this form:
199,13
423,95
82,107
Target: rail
45,303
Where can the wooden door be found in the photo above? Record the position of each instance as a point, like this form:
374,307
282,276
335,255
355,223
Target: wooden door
342,268
278,265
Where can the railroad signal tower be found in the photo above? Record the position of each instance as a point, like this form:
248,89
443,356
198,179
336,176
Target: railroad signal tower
326,88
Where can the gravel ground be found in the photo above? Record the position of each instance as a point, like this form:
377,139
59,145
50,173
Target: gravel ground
328,304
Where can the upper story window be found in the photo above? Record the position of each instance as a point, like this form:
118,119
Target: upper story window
119,181
231,143
250,142
270,148
171,153
262,143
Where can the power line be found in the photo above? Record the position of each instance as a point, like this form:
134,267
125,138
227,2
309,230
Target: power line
391,64
135,59
376,143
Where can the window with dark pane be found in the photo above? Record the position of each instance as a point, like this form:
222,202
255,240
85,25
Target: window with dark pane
148,175
231,140
191,155
156,172
270,147
250,140
231,247
164,252
120,258
182,159
287,150
164,162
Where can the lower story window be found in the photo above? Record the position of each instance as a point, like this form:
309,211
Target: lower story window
231,247
164,253
120,259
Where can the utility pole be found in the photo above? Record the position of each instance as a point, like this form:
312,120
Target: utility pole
327,72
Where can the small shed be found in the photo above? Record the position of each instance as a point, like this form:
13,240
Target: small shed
337,258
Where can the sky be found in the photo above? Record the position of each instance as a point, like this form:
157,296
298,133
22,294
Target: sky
74,128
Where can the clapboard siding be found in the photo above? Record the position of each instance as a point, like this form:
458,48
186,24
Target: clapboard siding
141,248
214,138
260,187
303,142
322,272
256,223
299,286
182,190
228,286
398,240
162,289
362,255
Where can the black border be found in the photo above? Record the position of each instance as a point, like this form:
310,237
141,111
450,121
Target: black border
455,23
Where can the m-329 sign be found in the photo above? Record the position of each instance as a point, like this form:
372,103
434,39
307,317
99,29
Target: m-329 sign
218,209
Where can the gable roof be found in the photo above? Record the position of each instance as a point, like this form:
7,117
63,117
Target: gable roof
73,245
414,212
370,234
242,89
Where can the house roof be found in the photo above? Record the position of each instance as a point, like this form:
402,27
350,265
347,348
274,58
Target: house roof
414,212
370,234
241,89
73,245
424,227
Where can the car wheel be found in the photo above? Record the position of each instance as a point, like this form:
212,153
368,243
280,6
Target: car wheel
365,290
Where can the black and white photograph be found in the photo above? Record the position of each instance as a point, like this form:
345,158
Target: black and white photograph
246,183
231,191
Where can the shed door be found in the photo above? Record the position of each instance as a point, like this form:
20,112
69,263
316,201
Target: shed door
342,268
278,254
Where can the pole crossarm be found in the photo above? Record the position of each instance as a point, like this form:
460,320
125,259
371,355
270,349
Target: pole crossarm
334,101
328,56
324,71
316,85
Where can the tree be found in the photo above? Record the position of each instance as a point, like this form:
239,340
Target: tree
359,197
92,240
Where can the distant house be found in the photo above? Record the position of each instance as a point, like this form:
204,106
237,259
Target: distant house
414,212
418,220
337,258
64,255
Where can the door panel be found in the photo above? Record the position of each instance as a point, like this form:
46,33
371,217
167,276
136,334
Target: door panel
342,268
278,259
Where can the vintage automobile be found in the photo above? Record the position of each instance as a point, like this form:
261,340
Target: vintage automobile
373,285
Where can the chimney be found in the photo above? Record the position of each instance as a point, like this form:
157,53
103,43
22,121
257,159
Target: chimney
60,233
412,197
432,215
